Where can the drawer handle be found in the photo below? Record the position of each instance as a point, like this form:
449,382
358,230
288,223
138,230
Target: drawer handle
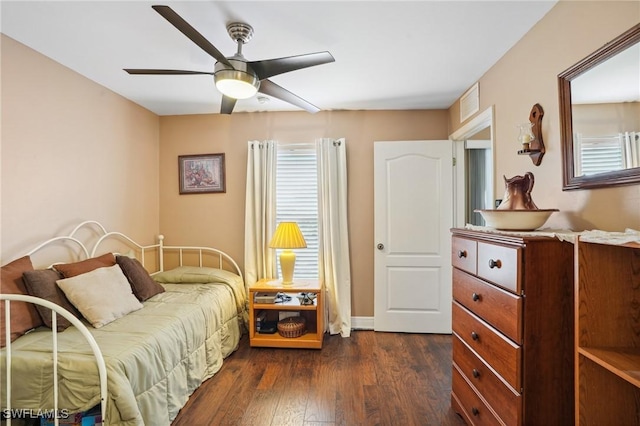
475,373
475,297
462,253
475,411
474,335
495,263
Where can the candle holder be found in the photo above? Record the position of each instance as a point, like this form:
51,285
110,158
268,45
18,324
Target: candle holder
531,136
526,136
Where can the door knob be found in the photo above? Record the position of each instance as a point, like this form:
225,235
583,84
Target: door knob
380,246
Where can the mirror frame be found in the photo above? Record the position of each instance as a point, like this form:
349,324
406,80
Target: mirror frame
614,178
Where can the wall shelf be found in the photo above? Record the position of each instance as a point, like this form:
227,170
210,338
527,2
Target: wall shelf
536,146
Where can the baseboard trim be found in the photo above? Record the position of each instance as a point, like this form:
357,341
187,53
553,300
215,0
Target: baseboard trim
362,323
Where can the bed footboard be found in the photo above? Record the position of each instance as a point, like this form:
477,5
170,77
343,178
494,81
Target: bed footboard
55,309
199,252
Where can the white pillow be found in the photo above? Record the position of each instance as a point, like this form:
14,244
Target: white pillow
102,295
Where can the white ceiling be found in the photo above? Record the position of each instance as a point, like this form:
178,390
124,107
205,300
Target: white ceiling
389,54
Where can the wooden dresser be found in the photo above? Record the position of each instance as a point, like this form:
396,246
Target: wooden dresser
513,333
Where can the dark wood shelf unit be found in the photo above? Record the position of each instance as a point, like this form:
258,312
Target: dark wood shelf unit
607,334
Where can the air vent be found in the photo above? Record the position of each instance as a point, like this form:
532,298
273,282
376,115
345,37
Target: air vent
470,102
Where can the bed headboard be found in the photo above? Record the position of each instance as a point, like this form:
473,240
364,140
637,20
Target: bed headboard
91,239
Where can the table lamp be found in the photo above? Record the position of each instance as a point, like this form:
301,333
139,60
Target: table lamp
287,237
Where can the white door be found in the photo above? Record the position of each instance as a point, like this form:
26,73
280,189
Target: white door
413,207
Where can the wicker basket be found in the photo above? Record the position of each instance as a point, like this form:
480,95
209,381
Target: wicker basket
292,327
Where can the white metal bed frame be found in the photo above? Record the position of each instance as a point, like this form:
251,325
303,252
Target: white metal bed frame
56,309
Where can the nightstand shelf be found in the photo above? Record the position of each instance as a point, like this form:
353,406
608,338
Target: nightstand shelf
292,305
313,314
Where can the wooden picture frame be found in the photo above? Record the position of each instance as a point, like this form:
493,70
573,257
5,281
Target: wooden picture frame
201,173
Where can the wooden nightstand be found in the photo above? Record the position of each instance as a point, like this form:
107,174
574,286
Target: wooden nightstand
313,314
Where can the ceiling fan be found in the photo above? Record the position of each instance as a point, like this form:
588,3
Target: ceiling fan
234,76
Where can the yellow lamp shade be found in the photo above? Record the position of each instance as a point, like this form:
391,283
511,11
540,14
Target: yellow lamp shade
288,236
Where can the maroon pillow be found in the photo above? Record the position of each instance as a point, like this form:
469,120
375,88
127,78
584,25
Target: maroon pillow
142,284
42,283
69,270
24,316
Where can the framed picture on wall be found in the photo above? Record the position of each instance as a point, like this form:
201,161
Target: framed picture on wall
202,173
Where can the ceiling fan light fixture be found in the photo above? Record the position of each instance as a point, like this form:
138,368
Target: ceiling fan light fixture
236,84
234,76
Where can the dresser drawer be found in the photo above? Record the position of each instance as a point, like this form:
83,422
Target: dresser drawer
498,351
464,254
498,307
471,406
503,400
500,265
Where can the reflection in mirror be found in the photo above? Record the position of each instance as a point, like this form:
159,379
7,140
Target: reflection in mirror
600,116
605,107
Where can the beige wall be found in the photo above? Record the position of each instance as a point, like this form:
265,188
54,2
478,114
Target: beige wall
218,219
71,150
606,119
526,75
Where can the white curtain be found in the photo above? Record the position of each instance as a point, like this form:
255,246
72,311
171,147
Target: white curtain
333,250
260,211
631,149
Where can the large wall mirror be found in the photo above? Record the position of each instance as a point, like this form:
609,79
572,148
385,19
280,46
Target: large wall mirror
600,116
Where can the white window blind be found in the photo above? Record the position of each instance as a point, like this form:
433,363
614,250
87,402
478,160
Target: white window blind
600,154
297,201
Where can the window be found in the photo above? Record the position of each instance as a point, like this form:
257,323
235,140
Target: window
297,201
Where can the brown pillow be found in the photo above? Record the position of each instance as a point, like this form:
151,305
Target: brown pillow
69,270
42,283
142,284
24,316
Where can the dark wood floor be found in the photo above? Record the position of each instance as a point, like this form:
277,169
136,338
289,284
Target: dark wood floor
367,379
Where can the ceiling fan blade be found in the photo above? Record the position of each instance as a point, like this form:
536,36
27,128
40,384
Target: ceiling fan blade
193,35
270,67
268,87
164,72
227,105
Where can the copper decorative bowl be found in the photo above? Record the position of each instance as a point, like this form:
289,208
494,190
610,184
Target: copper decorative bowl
516,220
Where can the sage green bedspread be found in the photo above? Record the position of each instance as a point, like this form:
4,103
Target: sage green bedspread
156,356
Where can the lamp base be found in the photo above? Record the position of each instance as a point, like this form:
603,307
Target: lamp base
287,265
